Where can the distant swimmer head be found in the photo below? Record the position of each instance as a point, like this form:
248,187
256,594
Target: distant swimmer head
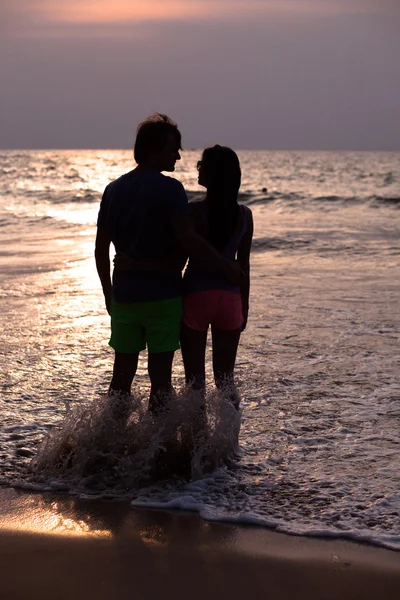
219,171
157,144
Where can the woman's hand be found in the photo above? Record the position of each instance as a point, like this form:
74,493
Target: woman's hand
245,312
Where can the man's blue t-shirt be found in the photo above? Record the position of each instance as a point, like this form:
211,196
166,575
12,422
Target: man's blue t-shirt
136,210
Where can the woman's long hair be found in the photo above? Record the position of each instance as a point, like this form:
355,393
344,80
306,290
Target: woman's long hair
222,175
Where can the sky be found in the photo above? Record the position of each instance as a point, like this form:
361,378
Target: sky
268,74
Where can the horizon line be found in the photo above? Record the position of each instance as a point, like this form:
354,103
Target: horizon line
193,149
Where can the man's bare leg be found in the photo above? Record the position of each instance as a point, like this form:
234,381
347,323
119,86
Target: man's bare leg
124,371
160,373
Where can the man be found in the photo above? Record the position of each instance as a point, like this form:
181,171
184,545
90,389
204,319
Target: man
144,214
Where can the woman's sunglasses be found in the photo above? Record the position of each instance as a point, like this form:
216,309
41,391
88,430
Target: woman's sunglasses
198,165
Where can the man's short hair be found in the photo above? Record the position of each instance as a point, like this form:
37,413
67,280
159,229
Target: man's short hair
152,135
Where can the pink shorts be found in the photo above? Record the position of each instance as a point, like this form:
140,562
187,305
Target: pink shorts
221,309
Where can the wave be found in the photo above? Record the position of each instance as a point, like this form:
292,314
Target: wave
392,201
12,219
264,197
194,497
250,197
358,199
277,243
56,197
9,220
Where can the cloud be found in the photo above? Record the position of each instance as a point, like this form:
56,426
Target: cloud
104,11
28,16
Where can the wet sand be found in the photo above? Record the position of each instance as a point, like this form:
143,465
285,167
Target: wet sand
54,546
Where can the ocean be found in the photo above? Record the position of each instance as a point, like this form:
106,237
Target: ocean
318,366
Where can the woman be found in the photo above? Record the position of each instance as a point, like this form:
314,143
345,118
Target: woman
209,298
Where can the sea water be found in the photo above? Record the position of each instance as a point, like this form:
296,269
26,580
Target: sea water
317,369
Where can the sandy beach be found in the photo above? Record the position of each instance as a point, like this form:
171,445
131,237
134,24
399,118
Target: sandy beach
61,547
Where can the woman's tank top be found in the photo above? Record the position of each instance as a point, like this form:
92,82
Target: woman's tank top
200,277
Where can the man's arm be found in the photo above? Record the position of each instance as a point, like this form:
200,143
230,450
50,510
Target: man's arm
102,256
244,261
200,249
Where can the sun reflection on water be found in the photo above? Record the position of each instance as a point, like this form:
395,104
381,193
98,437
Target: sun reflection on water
36,514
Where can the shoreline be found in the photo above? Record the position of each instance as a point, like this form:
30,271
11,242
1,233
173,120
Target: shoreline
53,546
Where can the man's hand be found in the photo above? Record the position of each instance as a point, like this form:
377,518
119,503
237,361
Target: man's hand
107,298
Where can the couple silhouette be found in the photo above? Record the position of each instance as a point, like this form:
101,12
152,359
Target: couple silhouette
155,231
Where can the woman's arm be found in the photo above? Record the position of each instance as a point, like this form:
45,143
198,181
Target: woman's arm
243,257
172,263
200,249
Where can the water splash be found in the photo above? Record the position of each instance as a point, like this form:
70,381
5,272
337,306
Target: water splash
114,445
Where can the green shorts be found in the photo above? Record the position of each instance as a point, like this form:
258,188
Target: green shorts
156,324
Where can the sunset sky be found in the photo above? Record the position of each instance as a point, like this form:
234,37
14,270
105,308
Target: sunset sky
276,74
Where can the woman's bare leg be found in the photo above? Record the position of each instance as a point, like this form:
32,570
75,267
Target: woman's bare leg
224,349
193,346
